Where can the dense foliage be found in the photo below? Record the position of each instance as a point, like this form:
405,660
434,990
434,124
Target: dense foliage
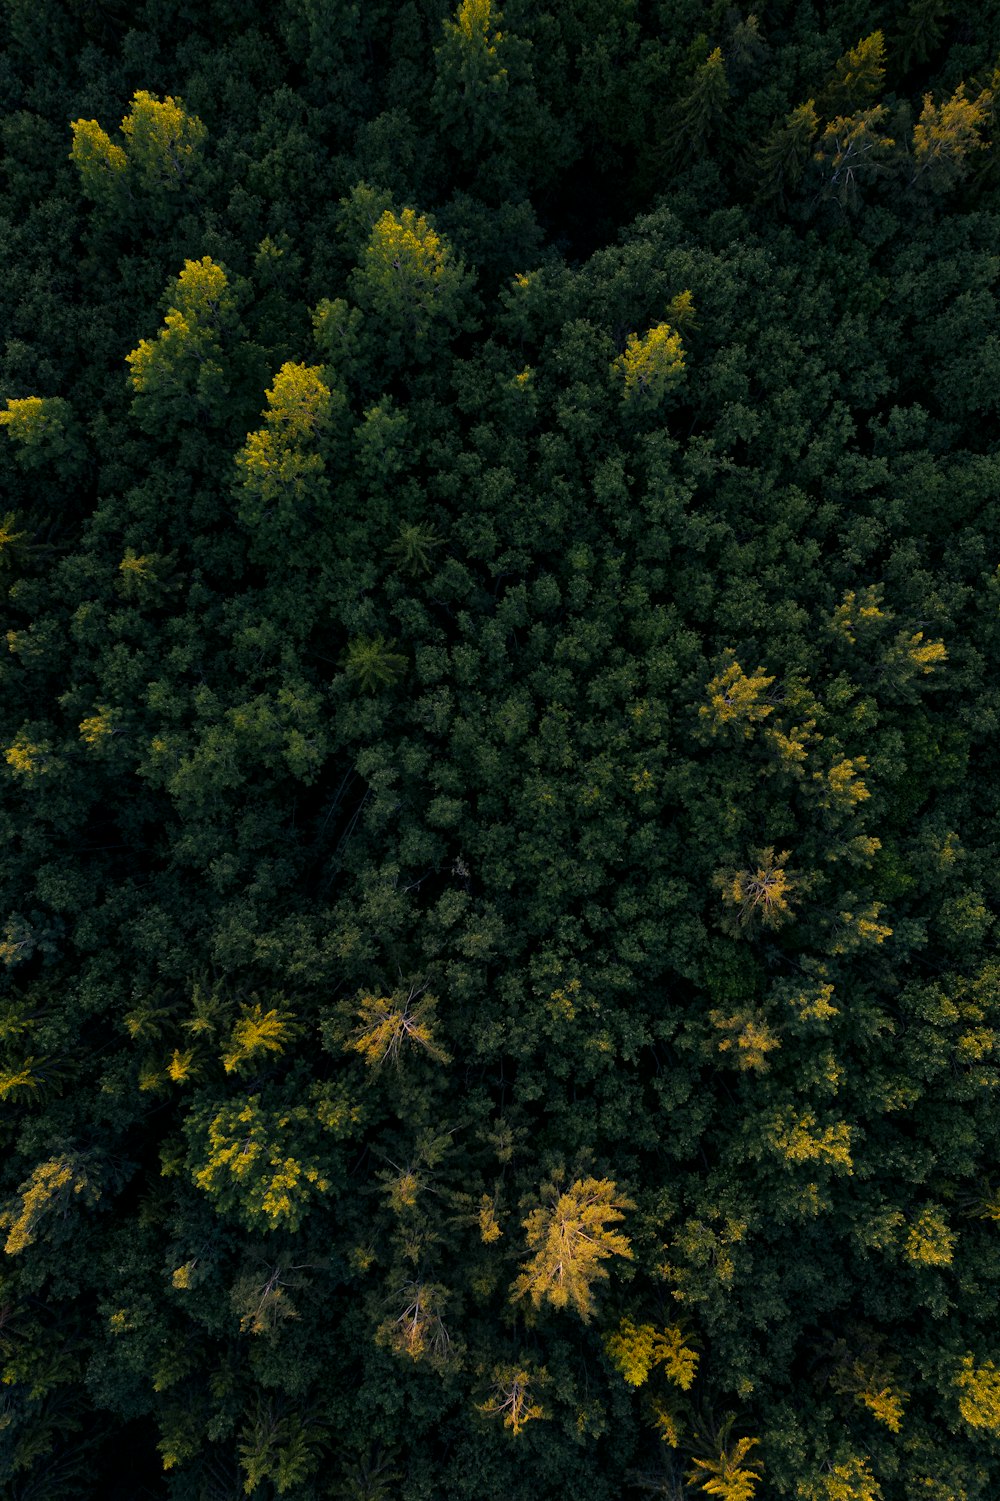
500,531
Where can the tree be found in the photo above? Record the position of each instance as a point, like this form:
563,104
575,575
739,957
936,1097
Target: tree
181,373
782,160
857,77
471,78
852,152
651,365
282,465
571,1239
44,432
160,152
945,135
411,284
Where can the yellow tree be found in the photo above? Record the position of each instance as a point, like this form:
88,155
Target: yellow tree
180,373
651,365
571,1237
282,461
410,282
946,134
160,147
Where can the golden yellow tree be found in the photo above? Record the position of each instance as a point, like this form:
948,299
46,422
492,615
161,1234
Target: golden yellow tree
571,1237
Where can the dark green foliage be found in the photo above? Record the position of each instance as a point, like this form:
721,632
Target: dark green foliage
500,536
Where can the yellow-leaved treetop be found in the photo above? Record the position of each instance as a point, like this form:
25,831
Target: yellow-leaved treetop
38,426
979,1395
851,151
53,1187
571,1237
946,134
635,1349
471,77
737,702
410,281
250,1166
160,146
282,461
650,365
511,1396
180,374
761,893
930,1241
385,1023
162,140
731,1475
857,76
255,1034
844,1478
747,1039
798,1137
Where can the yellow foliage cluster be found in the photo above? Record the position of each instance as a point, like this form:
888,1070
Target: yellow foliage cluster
946,133
571,1239
279,458
511,1396
747,1038
418,1330
847,1479
161,142
246,1161
761,893
385,1023
979,1399
731,1476
635,1349
51,1188
258,1032
651,364
930,1241
798,1138
736,701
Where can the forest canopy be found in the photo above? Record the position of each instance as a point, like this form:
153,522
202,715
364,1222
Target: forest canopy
500,534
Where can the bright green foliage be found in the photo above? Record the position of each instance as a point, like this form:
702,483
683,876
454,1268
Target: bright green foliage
571,1238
